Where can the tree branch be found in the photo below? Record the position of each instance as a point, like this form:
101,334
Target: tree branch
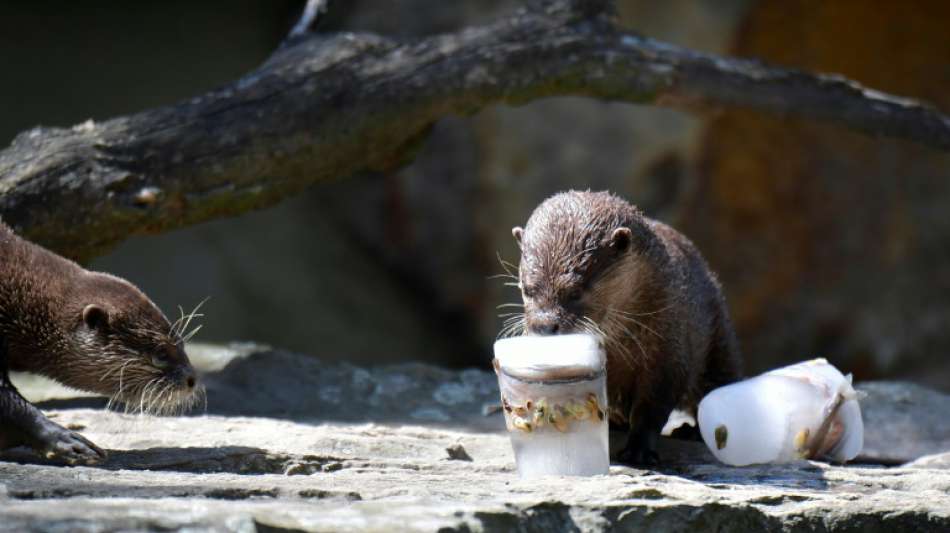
308,19
329,106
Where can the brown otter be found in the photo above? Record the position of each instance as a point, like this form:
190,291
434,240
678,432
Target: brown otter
591,262
89,331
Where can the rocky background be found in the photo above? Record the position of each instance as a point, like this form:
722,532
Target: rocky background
828,243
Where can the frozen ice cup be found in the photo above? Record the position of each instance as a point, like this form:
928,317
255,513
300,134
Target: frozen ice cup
554,397
807,410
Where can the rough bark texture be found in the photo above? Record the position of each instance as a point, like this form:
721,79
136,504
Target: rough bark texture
329,106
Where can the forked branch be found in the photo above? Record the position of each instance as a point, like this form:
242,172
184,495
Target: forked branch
328,106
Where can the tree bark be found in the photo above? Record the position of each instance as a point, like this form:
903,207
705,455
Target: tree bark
328,106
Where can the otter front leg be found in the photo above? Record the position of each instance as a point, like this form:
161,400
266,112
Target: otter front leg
22,423
640,448
646,419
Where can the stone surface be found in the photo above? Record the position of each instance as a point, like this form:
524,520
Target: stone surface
309,446
903,421
285,385
937,460
830,243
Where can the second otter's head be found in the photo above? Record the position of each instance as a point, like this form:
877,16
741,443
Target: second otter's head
121,345
580,256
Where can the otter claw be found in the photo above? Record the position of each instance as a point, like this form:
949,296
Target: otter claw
72,448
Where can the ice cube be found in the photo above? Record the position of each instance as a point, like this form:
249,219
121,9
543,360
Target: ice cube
578,452
554,396
553,356
807,410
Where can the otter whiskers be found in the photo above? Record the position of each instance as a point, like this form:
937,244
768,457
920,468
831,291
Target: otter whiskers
513,326
614,326
620,317
142,391
508,267
612,342
162,397
180,327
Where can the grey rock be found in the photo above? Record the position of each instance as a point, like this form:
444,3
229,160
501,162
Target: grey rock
937,460
903,421
369,477
457,453
280,384
273,454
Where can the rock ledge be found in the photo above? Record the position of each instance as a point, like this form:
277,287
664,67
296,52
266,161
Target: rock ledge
333,447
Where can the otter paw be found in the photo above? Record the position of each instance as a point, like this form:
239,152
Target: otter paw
60,444
637,456
640,450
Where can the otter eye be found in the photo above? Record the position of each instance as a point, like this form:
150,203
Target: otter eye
162,359
529,291
573,296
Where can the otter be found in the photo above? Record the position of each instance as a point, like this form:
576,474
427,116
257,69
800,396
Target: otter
88,330
592,262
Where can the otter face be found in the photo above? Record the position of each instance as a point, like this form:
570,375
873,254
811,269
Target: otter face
131,352
571,292
572,270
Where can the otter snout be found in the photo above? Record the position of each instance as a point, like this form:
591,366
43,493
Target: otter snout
545,328
187,377
182,374
176,366
549,323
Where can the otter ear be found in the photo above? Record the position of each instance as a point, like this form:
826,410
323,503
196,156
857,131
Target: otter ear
620,239
516,232
95,317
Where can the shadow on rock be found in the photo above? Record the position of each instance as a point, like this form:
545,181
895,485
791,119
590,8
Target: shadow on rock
798,475
690,459
228,459
74,403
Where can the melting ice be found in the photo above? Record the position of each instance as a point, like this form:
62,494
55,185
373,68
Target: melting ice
804,411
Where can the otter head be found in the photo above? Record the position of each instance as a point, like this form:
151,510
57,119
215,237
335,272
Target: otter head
577,253
122,345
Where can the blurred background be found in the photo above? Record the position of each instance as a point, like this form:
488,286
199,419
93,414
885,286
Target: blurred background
828,243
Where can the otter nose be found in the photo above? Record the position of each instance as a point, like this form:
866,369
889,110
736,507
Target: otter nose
546,324
188,377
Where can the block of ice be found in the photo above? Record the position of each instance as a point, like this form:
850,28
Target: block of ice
536,357
554,397
804,411
581,452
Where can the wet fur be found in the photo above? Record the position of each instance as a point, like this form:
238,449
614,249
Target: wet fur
647,292
133,355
